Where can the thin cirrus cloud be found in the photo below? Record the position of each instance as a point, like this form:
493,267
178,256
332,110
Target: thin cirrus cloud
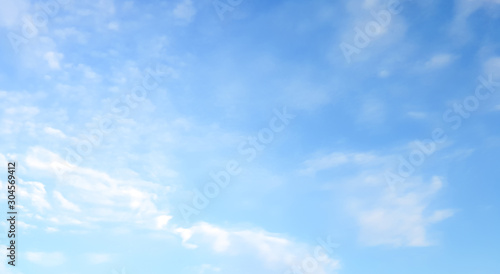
439,61
64,203
387,216
185,10
400,218
47,259
335,159
98,258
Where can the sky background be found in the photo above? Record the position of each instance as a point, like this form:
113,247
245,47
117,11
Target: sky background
219,72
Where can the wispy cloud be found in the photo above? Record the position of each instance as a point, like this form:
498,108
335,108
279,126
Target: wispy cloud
185,10
64,203
335,159
98,258
275,250
439,61
47,259
400,218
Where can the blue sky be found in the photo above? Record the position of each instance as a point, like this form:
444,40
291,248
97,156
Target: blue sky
240,136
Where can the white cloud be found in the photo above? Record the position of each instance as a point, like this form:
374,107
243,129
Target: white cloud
12,11
53,59
162,221
70,33
459,154
370,4
25,111
372,111
274,250
440,215
384,73
35,193
386,216
400,218
206,267
25,225
333,160
492,66
98,258
185,10
51,229
464,9
54,132
417,114
439,61
218,238
390,37
64,220
65,203
88,72
104,198
114,26
45,259
294,96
